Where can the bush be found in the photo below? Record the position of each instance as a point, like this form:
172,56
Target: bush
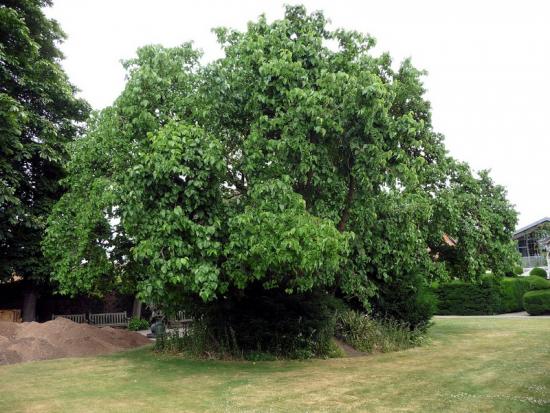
136,324
513,289
367,334
540,272
537,302
463,298
515,271
194,342
407,300
537,283
261,324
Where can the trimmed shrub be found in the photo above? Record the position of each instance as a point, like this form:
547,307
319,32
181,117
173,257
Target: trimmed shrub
537,302
513,289
368,334
540,272
537,283
492,296
463,298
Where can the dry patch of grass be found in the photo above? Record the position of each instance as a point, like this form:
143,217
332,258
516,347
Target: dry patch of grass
469,365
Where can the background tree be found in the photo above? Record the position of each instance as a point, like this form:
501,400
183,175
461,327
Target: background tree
39,114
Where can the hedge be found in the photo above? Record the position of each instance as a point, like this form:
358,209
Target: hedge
492,295
537,302
513,289
463,298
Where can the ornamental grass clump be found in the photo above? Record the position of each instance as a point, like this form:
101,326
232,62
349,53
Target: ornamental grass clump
368,334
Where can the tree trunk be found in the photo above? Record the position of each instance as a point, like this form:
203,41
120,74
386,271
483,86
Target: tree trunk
349,200
29,305
136,308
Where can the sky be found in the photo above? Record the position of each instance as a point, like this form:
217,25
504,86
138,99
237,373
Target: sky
487,62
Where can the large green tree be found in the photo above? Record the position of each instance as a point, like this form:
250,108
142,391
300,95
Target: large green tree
39,114
299,161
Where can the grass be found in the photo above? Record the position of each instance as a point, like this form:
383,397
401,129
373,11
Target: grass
469,365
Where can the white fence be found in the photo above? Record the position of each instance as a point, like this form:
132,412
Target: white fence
534,261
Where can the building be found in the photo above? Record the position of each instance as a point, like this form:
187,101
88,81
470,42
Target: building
532,241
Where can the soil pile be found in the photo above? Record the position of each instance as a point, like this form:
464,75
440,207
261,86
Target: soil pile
61,338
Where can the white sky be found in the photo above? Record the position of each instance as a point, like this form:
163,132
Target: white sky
488,64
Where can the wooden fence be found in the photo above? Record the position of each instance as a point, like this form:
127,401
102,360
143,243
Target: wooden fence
103,319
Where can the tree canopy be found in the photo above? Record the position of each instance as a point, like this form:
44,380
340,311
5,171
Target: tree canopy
39,114
298,161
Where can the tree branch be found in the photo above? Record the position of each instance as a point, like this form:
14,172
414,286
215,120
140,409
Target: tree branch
349,199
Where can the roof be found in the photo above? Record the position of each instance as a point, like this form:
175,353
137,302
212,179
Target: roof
531,226
450,241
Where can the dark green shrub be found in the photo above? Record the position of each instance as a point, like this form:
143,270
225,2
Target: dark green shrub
512,290
540,272
262,324
136,324
537,283
515,271
537,302
492,296
463,298
367,334
408,300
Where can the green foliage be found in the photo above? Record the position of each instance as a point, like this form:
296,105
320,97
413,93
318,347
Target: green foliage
176,185
287,167
407,300
538,283
518,270
367,334
512,290
537,302
39,115
136,324
476,212
468,298
276,241
87,221
539,272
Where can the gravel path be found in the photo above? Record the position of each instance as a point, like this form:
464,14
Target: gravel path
521,314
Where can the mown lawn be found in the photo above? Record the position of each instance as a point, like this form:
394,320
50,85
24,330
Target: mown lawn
469,365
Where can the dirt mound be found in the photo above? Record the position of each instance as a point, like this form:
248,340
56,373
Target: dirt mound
61,338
